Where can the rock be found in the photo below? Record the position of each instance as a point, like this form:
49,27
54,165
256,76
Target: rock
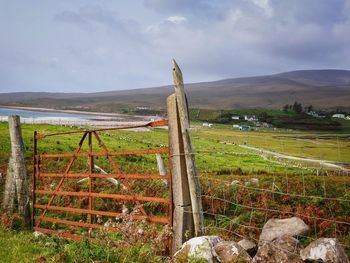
108,223
248,246
254,180
198,248
235,182
284,249
37,234
326,249
230,251
41,260
274,228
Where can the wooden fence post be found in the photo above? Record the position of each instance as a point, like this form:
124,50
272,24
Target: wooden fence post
192,173
16,185
161,165
188,213
182,217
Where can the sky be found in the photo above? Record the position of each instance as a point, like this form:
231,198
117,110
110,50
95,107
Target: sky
92,46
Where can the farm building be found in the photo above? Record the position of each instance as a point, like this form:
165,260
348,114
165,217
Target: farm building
338,115
250,118
206,124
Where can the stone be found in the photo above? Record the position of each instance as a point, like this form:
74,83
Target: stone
248,246
230,251
275,228
37,234
326,249
198,248
284,249
254,180
235,182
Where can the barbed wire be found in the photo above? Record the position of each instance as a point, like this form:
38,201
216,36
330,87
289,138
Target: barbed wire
278,192
284,185
278,211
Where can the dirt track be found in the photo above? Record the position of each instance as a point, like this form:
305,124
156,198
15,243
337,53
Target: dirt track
290,157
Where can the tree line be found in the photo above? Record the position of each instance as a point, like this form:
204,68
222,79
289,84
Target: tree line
297,107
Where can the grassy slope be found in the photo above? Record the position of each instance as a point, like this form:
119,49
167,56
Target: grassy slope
23,246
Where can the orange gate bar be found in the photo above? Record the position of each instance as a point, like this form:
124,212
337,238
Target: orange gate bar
37,175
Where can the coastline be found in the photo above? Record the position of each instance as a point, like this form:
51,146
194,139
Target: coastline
93,113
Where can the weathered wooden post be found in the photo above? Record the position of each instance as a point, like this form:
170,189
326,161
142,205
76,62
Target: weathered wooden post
160,163
182,216
188,213
16,186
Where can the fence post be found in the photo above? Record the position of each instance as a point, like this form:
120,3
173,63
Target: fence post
182,216
161,165
16,185
192,173
188,213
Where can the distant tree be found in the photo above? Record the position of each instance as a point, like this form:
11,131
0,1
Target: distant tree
225,117
286,107
264,117
310,108
297,107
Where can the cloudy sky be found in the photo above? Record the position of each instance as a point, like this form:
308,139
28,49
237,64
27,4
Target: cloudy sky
86,46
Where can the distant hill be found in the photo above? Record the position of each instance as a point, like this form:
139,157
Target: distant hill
324,89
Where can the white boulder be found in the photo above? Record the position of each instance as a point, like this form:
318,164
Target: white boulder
248,246
198,248
326,249
284,249
275,228
230,251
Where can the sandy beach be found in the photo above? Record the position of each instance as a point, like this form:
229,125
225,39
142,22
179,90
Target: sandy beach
80,112
102,120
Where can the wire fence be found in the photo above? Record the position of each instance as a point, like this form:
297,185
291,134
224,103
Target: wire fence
240,195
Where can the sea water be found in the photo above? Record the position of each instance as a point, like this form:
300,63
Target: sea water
44,115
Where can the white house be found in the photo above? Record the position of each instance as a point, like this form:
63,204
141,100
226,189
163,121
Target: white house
235,117
142,108
313,114
206,124
250,118
338,115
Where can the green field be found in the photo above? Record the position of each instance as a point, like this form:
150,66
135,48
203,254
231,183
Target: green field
268,186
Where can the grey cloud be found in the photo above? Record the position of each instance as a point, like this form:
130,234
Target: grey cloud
89,15
200,10
176,6
313,11
71,17
84,46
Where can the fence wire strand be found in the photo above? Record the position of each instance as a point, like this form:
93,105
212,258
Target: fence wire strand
292,194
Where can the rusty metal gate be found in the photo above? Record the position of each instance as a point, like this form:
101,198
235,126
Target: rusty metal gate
64,207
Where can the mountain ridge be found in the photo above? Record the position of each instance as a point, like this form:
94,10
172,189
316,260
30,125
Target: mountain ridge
325,88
